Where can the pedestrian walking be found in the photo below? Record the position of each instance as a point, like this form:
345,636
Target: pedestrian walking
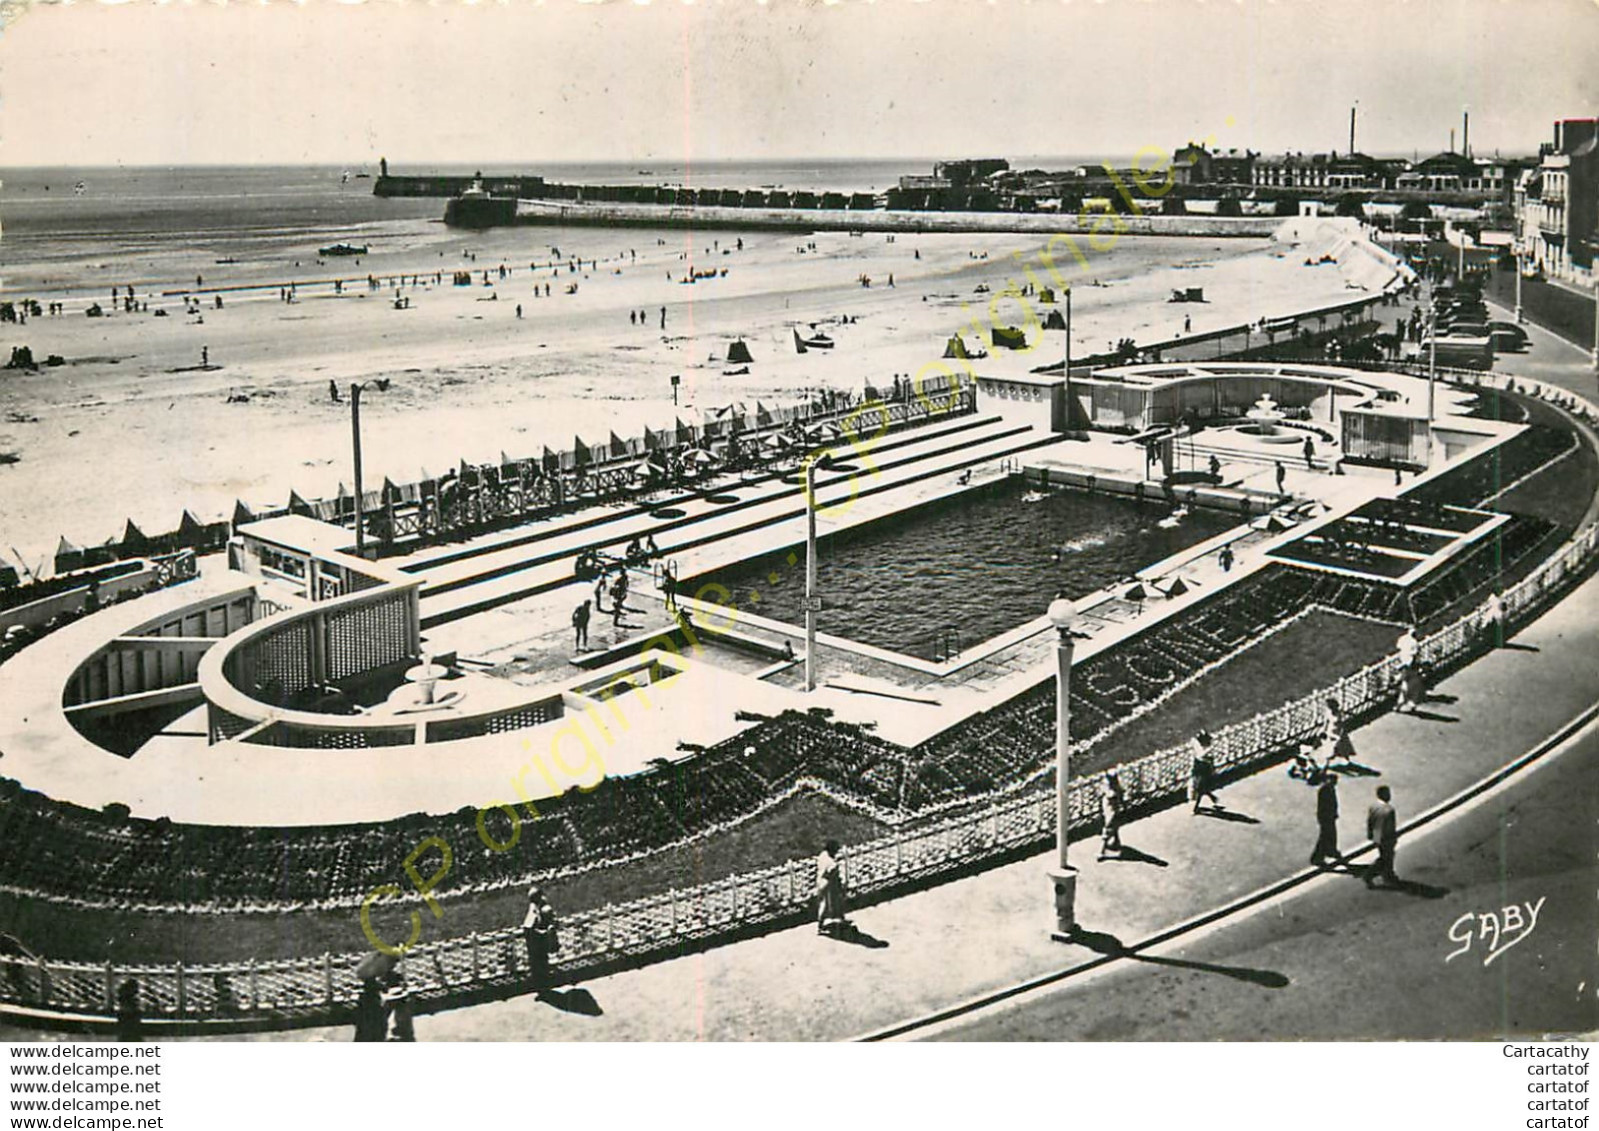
371,1017
130,1015
1310,454
1282,475
830,890
599,591
205,355
397,1001
1408,650
1491,624
619,599
541,937
1112,803
663,317
1225,559
580,627
1202,772
1335,734
669,588
1326,849
1382,828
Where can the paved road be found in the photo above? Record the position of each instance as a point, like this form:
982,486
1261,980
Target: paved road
1335,960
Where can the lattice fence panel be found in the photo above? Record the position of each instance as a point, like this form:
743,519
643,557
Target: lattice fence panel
366,636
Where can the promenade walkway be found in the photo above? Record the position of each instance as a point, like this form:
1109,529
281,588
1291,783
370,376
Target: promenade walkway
976,935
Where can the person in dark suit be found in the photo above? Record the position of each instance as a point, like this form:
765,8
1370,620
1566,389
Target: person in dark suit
539,934
1326,820
1382,826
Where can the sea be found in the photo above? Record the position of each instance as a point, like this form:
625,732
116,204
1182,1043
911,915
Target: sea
143,221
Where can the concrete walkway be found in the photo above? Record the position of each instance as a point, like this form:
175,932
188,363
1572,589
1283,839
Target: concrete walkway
973,936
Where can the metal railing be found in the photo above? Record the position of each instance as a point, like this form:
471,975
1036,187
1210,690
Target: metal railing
482,965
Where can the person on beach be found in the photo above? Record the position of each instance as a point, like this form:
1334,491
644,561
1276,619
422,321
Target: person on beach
333,390
599,591
205,355
1310,454
1224,558
580,626
1282,475
669,589
1326,850
1202,772
1382,828
663,317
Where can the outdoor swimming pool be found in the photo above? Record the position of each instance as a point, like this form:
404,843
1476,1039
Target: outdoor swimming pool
943,577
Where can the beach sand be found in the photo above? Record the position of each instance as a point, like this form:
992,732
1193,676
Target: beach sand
134,426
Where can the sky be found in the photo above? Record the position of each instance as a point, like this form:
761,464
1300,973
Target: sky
519,83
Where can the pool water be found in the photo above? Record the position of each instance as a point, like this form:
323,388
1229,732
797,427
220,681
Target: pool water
943,577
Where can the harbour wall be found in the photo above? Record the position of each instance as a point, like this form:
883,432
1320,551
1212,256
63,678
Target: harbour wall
483,213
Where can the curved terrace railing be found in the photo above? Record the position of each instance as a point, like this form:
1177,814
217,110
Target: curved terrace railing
485,965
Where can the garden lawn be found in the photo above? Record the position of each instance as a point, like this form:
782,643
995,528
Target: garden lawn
1311,653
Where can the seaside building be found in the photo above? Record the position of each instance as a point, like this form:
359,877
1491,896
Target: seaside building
1195,165
1557,204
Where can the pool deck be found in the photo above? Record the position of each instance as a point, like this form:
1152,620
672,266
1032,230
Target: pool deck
504,602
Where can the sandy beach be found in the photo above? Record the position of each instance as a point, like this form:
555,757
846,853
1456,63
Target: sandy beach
138,422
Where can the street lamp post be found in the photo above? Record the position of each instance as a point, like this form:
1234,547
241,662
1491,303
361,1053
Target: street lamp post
812,601
1063,877
355,436
1596,321
1520,270
1066,369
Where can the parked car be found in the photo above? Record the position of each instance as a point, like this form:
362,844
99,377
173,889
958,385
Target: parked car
1507,337
1461,353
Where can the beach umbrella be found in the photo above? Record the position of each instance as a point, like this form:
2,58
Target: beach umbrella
505,460
241,513
343,493
619,448
580,452
550,460
376,966
685,432
298,505
1136,593
1176,588
701,458
651,440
